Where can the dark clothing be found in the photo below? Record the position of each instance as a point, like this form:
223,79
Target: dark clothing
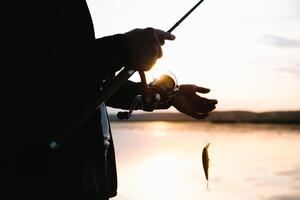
53,74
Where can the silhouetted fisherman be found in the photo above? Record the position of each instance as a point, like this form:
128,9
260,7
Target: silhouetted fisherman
56,67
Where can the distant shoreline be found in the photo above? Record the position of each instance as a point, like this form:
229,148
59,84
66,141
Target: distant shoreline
276,117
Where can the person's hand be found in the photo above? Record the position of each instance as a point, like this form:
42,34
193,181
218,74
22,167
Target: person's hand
145,47
187,101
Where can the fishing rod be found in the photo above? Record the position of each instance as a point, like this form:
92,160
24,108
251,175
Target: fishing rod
110,88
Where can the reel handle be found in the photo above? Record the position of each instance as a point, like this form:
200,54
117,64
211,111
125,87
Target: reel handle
123,115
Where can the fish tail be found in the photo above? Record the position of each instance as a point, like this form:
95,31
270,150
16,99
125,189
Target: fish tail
207,145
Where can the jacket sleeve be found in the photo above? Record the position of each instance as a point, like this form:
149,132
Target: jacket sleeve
108,55
125,95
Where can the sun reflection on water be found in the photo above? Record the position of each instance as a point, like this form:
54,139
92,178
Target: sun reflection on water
162,161
157,176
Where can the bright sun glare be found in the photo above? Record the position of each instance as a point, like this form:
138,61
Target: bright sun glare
246,52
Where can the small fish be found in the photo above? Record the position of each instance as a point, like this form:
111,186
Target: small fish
205,162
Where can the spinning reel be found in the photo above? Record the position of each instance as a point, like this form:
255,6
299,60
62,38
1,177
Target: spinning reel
156,94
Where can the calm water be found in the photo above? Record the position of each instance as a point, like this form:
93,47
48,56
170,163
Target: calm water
162,161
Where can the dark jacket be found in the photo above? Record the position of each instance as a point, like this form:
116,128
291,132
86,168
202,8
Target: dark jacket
56,63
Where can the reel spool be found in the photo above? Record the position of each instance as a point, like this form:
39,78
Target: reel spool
158,92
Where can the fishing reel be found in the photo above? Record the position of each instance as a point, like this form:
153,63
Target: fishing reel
155,94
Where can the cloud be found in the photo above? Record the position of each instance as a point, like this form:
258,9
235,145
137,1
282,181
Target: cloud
284,197
295,70
295,173
282,42
295,6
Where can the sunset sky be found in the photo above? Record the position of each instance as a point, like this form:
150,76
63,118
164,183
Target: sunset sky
246,52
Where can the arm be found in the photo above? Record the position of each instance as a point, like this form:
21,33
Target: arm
124,96
108,55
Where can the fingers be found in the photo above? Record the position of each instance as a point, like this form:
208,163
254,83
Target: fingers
204,109
162,35
204,105
199,115
159,40
202,90
159,52
211,101
144,46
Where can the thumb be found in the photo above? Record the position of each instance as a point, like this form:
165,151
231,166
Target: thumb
162,35
202,90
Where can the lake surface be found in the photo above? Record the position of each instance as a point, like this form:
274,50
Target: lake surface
162,161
